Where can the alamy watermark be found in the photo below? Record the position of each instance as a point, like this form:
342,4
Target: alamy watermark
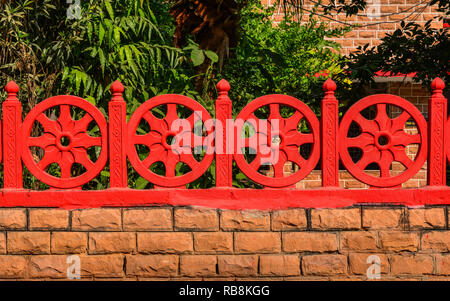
74,10
374,270
74,267
373,9
251,137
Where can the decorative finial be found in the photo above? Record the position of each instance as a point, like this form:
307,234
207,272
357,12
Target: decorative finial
117,87
12,88
223,87
329,86
437,85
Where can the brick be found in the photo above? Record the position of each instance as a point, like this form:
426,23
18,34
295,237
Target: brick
152,265
250,220
13,219
198,265
68,242
48,266
112,242
102,266
411,264
359,241
237,265
324,265
427,218
28,242
159,219
257,242
399,241
309,242
218,242
12,267
443,264
279,265
293,219
165,242
49,219
358,263
97,219
382,218
2,243
336,218
437,241
196,219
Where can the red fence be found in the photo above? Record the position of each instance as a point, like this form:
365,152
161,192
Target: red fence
382,140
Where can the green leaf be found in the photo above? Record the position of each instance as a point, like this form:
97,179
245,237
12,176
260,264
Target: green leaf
140,183
101,33
212,56
109,9
197,57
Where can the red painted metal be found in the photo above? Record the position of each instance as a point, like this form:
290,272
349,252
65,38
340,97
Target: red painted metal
330,127
224,159
287,149
437,112
168,128
226,198
117,137
383,140
12,114
75,132
222,140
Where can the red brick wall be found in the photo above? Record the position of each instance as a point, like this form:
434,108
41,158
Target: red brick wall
205,244
371,30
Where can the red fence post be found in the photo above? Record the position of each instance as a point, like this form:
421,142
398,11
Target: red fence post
117,134
12,119
330,124
224,159
437,112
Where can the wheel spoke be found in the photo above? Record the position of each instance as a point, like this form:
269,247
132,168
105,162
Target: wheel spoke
81,156
399,122
293,155
65,118
362,141
171,114
405,139
147,139
400,155
171,163
156,124
42,141
157,153
274,111
86,141
66,163
278,167
383,120
385,163
50,126
369,156
50,156
298,139
291,123
189,160
367,126
82,124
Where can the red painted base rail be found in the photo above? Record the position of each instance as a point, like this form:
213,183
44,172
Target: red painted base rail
225,198
289,127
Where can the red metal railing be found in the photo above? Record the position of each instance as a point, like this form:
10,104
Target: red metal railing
382,141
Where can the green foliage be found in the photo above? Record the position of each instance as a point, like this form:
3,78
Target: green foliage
281,59
411,48
48,54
